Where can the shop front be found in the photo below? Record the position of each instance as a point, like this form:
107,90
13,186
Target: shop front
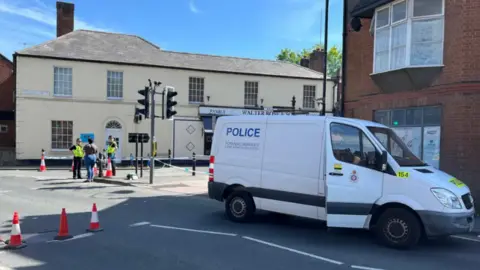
419,128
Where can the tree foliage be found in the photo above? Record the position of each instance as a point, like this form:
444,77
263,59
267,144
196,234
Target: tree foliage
334,57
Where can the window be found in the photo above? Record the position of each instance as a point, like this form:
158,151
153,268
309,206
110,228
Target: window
251,93
196,89
115,84
62,134
418,128
3,128
309,96
351,145
408,33
62,81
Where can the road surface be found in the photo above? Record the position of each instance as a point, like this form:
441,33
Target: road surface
159,229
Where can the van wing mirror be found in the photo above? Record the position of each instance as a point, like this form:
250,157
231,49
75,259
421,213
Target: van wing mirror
384,160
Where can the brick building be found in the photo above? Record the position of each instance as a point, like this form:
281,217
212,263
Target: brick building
7,104
414,65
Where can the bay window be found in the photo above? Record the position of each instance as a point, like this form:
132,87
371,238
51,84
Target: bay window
408,33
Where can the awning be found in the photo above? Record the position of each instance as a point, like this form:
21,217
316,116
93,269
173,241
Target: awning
207,124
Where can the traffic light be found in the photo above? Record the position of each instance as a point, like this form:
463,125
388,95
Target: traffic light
170,103
145,102
137,117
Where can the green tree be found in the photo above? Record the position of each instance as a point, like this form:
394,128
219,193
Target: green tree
334,57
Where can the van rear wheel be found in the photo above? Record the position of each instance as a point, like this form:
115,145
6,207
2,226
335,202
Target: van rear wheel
398,228
239,206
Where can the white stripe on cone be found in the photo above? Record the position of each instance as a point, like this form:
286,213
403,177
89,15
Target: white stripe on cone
15,229
94,218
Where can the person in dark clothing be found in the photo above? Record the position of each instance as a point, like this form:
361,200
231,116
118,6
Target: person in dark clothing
91,152
78,154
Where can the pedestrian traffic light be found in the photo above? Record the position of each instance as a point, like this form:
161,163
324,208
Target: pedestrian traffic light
170,102
145,101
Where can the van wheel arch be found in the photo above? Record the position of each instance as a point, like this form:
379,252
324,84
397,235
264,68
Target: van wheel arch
378,211
230,189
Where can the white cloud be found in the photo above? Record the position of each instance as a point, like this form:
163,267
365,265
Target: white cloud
193,7
38,24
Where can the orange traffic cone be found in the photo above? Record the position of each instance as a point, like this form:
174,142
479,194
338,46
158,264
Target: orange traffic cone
16,235
95,170
109,169
42,164
63,231
94,222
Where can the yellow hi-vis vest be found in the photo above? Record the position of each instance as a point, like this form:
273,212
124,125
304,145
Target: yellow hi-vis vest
111,148
78,152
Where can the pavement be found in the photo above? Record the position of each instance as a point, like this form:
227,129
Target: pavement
170,226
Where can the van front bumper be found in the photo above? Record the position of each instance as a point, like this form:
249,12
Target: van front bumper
215,190
441,224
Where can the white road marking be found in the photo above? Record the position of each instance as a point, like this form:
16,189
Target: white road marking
465,238
364,267
293,250
192,230
139,224
74,238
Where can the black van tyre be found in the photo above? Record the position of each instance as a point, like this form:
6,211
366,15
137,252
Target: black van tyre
239,206
398,228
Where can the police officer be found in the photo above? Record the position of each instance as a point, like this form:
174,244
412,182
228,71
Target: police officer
78,154
111,149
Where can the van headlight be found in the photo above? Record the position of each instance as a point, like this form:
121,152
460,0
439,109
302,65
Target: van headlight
447,198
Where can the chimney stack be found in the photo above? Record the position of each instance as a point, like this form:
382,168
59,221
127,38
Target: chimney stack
316,60
65,18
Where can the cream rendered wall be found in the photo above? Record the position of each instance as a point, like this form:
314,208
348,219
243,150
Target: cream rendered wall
90,110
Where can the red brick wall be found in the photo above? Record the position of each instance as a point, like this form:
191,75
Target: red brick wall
6,69
8,139
7,87
457,89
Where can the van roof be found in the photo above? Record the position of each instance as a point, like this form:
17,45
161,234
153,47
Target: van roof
287,118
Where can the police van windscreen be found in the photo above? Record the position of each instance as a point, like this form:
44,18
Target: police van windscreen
396,147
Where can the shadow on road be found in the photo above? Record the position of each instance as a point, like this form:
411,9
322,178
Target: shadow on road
134,247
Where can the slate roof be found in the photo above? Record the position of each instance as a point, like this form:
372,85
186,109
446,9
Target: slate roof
129,49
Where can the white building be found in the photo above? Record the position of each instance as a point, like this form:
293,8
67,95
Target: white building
85,83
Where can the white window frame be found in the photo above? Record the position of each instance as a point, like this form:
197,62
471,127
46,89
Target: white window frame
68,143
309,99
196,91
251,93
115,83
410,19
57,81
3,129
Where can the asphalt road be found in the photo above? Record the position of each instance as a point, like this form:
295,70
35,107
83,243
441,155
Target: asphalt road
155,229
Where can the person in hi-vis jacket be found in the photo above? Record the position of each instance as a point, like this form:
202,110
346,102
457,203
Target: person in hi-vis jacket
78,154
111,150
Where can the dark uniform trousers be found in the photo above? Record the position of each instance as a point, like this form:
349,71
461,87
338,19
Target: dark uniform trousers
77,165
113,164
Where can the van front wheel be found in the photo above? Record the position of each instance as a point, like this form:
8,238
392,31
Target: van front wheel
398,228
239,206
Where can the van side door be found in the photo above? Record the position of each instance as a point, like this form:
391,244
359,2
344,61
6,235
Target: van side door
353,182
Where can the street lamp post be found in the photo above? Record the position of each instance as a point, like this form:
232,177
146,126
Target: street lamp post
325,46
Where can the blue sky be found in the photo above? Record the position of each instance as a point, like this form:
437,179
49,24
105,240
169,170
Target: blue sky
246,28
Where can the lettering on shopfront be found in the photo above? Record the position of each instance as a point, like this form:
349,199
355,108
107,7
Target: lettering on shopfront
228,111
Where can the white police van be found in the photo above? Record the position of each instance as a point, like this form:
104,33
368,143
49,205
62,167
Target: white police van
351,173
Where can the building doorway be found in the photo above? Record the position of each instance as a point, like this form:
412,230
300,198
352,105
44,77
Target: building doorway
114,128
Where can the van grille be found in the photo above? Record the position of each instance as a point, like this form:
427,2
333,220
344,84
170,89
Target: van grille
466,200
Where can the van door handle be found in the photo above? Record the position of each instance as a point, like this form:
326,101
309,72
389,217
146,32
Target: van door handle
336,174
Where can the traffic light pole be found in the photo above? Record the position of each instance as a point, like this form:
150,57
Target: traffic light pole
152,129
